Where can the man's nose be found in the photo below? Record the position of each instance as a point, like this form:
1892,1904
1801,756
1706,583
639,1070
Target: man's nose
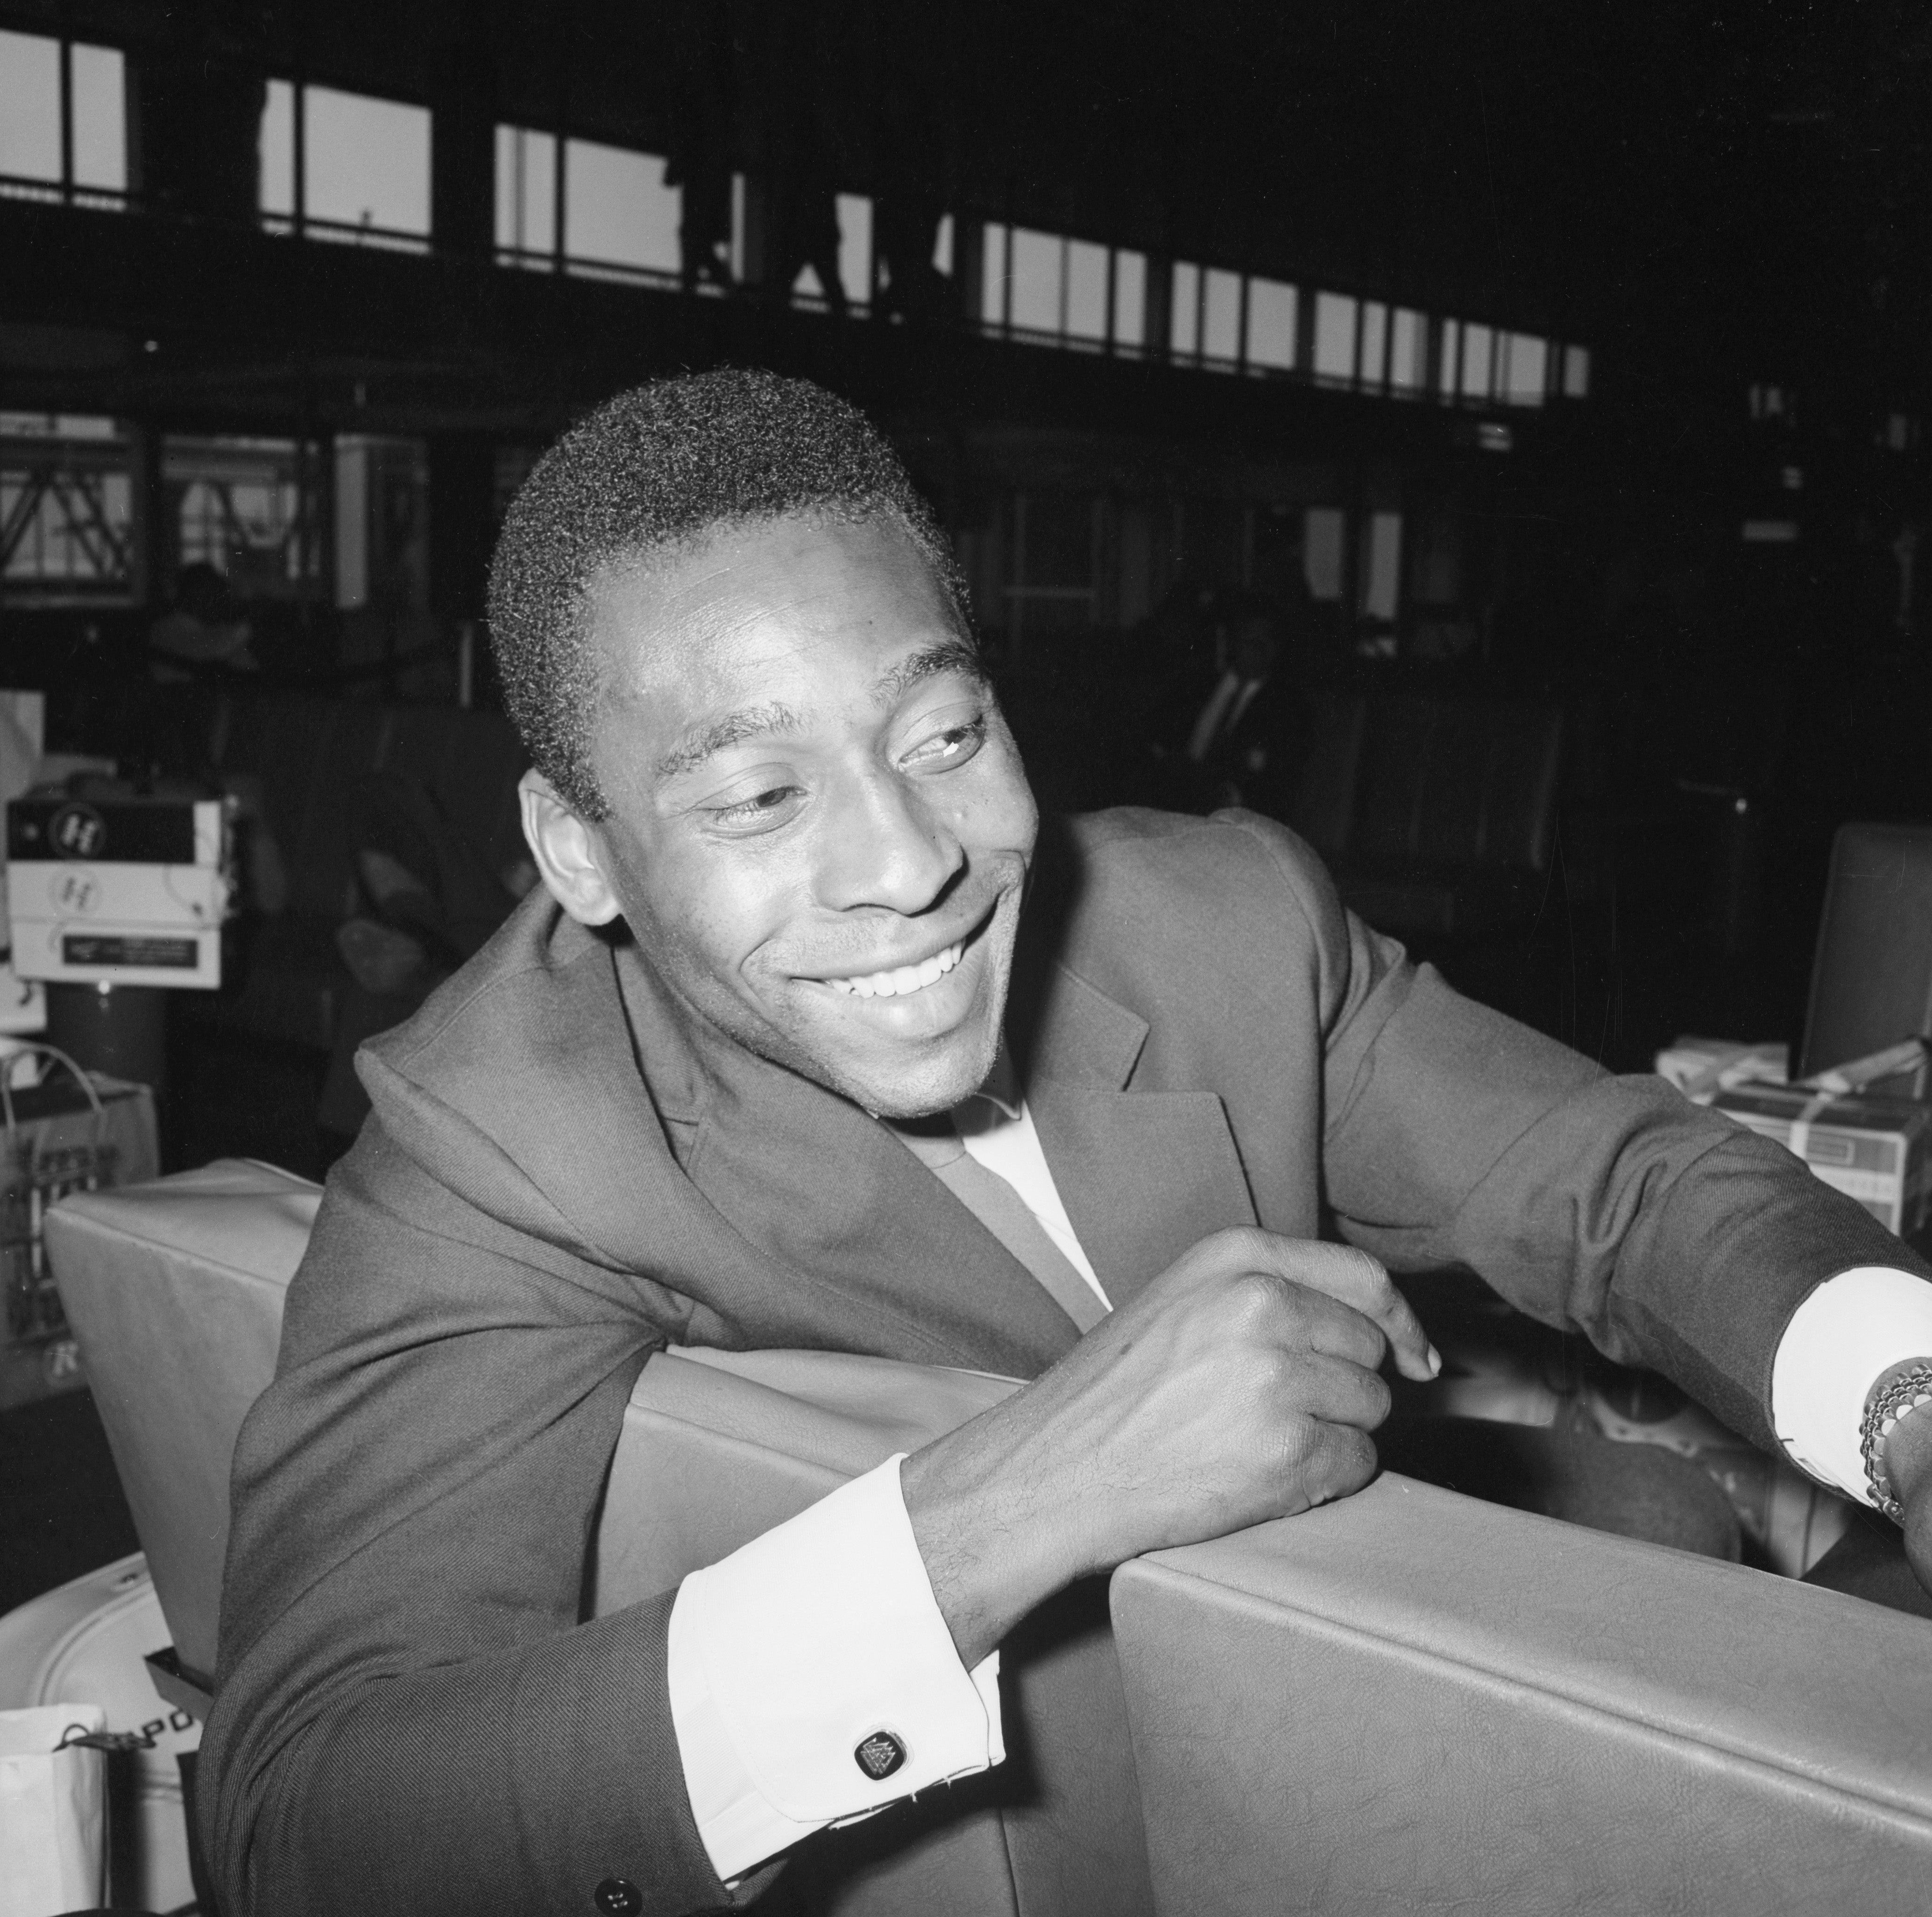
886,846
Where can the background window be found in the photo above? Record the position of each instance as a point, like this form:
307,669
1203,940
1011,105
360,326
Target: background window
526,190
365,162
617,211
1524,368
1038,260
249,508
1321,538
1381,565
1271,323
1130,299
1334,338
855,244
1184,334
100,117
1576,372
30,113
993,275
1086,290
1221,316
1476,373
67,509
1375,343
382,521
1408,351
278,151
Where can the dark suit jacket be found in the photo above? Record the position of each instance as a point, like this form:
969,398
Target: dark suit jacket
561,1175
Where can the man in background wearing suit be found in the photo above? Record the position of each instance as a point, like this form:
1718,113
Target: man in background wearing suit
814,1036
1244,742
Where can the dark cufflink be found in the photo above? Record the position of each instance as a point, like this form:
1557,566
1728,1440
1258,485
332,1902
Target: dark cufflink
880,1755
618,1896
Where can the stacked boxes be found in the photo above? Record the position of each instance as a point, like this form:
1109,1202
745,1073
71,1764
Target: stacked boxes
58,1142
1870,1148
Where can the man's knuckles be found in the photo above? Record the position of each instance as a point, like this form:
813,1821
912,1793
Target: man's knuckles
1257,1305
1347,1460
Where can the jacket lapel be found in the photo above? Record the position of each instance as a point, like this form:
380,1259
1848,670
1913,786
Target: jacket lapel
829,1197
1144,1174
804,1222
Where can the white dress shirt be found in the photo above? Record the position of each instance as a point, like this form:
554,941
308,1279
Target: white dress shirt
786,1655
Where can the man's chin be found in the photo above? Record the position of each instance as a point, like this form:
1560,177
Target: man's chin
923,1082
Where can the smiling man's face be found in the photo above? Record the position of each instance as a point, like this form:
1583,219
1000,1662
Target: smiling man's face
818,829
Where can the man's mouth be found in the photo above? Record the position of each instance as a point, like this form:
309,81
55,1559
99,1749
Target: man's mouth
903,979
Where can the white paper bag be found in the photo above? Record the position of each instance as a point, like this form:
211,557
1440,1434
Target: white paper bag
53,1811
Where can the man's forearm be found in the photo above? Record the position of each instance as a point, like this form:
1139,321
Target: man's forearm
992,1551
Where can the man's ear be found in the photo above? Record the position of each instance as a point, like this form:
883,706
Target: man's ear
568,856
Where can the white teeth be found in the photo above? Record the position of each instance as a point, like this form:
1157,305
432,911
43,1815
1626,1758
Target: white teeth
904,979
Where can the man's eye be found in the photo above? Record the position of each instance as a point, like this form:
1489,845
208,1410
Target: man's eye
766,807
953,746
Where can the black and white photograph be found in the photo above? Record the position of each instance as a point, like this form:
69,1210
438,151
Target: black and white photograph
965,958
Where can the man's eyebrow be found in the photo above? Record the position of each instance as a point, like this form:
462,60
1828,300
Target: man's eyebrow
950,655
733,729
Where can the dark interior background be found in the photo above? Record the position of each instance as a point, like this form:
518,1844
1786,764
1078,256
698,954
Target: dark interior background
1724,209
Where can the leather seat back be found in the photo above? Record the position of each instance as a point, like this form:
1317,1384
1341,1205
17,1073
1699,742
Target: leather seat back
1410,1700
1871,979
175,1290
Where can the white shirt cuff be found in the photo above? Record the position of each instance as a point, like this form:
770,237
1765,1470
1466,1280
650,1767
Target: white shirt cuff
788,1655
1850,1331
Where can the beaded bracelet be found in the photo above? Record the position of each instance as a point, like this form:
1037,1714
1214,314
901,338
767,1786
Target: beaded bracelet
1907,1393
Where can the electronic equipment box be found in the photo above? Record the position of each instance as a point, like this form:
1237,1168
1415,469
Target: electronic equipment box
122,889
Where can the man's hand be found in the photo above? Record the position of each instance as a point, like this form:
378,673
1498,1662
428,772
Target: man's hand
1240,1386
1908,1466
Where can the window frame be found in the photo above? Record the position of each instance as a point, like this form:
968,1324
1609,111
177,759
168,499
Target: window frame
63,188
299,222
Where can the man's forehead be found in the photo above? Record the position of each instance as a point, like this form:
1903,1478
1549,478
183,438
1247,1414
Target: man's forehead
712,605
741,636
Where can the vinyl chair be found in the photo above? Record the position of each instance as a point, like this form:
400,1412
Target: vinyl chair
174,1289
1409,1697
1411,1701
1871,979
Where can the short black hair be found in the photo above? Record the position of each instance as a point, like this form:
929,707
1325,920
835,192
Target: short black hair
657,470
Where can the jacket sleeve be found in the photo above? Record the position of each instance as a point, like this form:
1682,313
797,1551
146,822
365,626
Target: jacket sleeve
1671,1236
413,1714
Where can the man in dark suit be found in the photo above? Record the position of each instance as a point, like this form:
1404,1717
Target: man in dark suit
1234,732
814,1038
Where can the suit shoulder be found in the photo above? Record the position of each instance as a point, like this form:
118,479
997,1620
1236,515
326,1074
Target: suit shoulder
1235,897
519,967
1234,853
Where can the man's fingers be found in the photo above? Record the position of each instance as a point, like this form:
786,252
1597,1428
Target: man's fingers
1343,1461
1300,1319
1355,1279
1337,1391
